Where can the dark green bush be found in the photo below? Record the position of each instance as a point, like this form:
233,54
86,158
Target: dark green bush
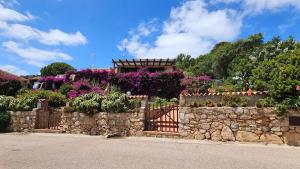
57,68
10,88
4,120
65,88
56,99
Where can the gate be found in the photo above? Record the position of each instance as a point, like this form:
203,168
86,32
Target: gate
47,120
163,118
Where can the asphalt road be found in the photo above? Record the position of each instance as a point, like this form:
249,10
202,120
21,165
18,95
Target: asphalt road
48,151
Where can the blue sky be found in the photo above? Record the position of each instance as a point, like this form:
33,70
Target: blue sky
90,33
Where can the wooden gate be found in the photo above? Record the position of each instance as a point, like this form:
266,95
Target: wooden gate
47,120
163,118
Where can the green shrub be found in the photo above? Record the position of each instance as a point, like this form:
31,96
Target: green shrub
265,102
281,109
88,103
56,99
4,120
116,102
159,101
244,101
230,101
175,100
5,102
65,88
27,100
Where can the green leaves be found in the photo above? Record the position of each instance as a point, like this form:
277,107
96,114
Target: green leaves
57,68
88,103
116,102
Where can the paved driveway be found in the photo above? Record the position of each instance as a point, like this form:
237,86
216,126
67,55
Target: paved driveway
43,151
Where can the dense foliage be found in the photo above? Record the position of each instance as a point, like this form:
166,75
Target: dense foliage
83,87
9,84
116,102
51,82
27,100
163,84
252,63
4,120
88,103
200,83
57,68
4,115
65,89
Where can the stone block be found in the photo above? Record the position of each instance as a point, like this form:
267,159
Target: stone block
292,138
227,134
275,129
271,138
216,136
245,136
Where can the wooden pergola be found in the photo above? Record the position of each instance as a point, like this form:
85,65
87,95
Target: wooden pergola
144,62
152,65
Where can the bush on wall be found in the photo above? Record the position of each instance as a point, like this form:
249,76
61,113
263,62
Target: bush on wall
116,102
28,100
88,103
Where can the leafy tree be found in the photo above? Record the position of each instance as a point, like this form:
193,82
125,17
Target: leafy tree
57,68
280,76
184,61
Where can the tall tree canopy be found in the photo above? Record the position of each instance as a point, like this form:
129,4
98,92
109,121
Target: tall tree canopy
57,68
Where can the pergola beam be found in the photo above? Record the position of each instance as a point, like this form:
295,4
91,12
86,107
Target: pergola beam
121,62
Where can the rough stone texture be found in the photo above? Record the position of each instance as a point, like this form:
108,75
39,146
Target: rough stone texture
271,138
245,136
103,123
227,134
245,124
22,121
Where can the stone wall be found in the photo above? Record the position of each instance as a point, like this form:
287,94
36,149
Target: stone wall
201,99
244,124
103,123
23,121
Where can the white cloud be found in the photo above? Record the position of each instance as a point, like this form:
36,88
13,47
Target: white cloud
52,37
7,14
260,5
24,32
224,1
34,56
191,29
13,69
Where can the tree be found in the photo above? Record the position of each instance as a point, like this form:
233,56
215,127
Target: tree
183,61
280,76
57,68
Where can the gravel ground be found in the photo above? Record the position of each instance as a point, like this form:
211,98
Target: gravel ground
48,151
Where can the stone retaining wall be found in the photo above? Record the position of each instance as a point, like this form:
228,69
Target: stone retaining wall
22,121
247,124
103,123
